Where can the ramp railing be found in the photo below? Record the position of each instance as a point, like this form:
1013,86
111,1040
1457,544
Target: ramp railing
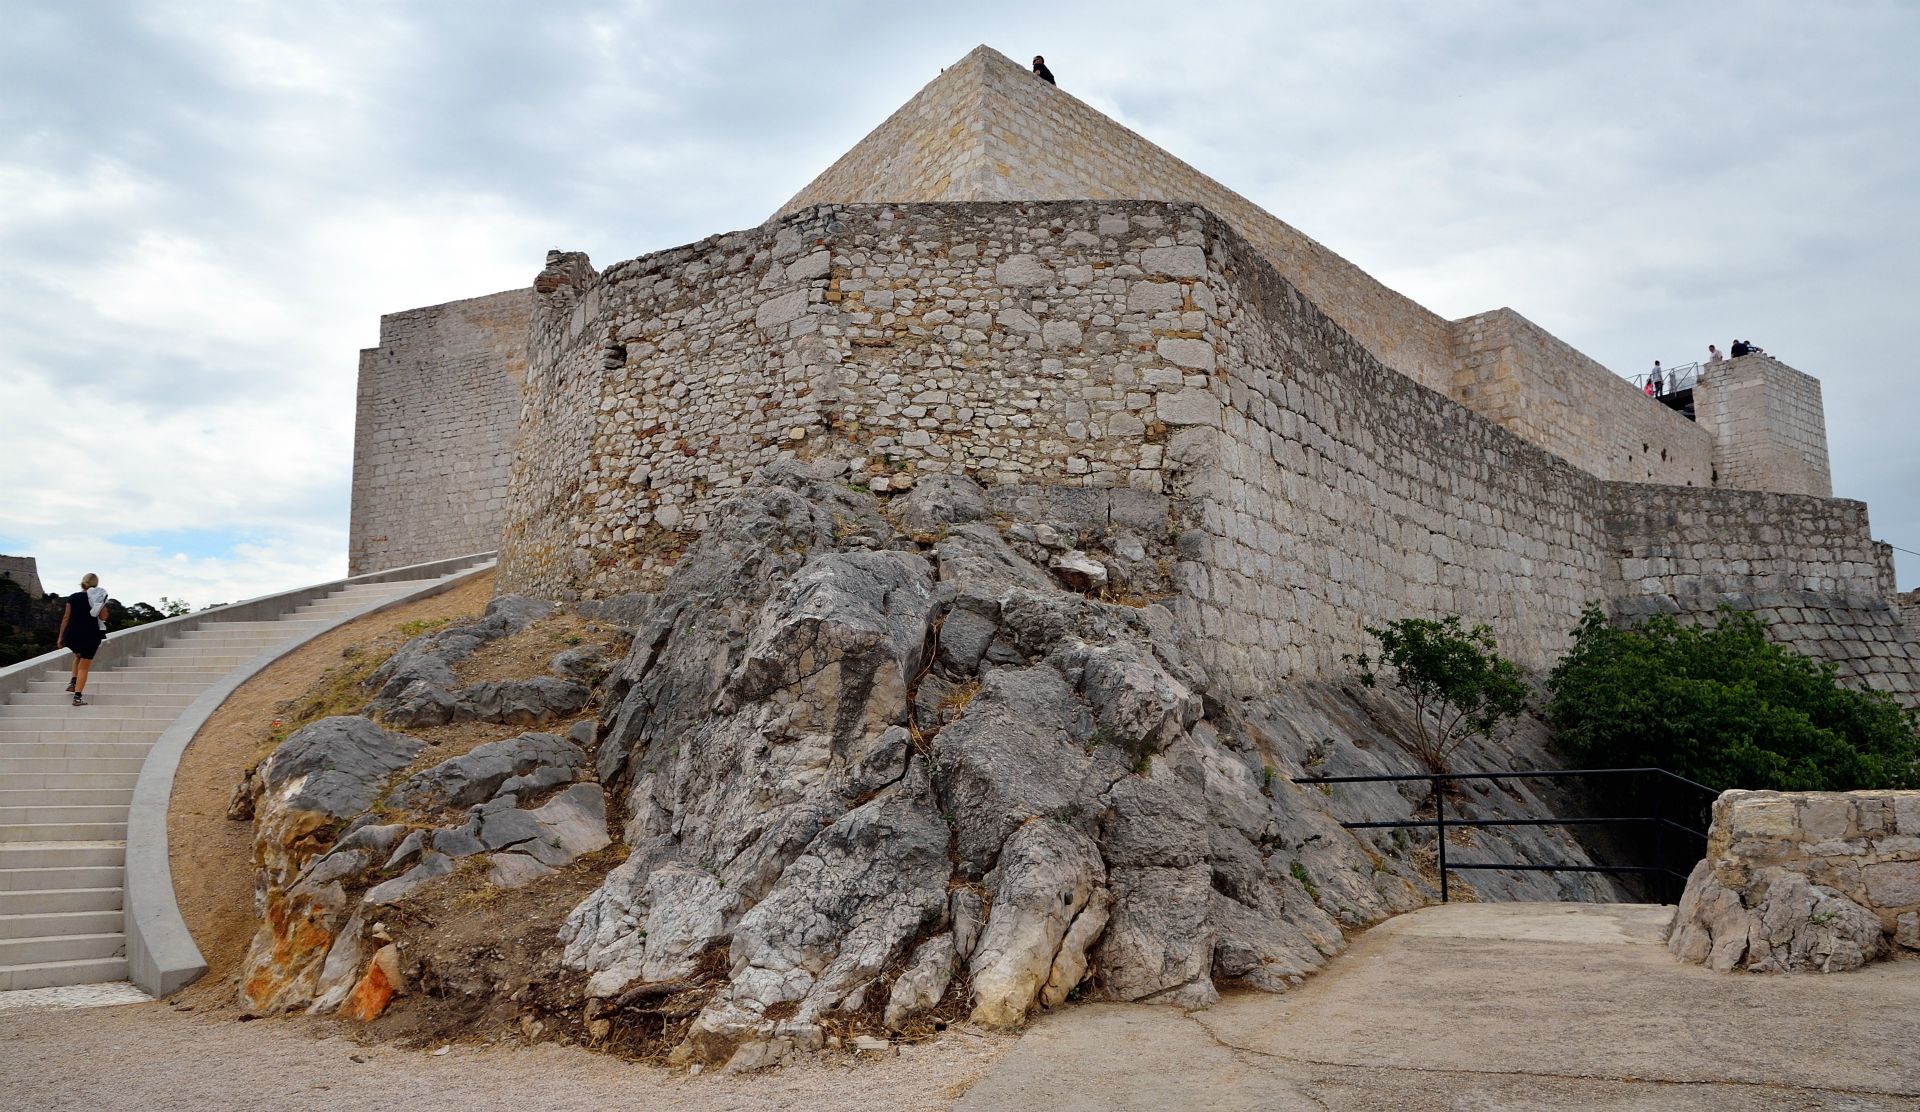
1668,799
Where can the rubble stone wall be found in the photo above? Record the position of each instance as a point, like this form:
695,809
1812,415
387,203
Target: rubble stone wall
1120,345
1768,424
1791,881
1511,370
433,431
988,130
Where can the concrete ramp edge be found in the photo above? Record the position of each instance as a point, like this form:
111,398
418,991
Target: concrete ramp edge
161,955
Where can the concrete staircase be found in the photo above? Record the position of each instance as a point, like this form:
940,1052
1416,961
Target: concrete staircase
66,779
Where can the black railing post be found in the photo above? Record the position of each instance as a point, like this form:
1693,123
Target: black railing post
1665,882
1440,822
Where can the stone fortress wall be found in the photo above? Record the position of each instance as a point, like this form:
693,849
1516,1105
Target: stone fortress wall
1334,453
1132,345
25,571
987,130
438,404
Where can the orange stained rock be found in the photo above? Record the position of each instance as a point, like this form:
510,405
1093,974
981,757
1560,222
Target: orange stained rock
377,987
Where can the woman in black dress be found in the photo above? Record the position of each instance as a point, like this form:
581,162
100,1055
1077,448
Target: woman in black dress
81,630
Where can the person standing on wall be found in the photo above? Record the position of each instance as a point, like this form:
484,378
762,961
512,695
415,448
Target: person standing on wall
1041,71
1656,384
83,625
1713,354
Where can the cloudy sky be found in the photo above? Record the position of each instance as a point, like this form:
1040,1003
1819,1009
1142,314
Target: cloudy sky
204,208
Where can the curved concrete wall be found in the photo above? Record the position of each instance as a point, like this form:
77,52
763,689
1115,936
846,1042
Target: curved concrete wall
161,955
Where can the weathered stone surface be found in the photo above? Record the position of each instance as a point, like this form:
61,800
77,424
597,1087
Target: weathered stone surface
334,767
416,686
923,982
1046,878
475,776
520,702
1800,881
432,867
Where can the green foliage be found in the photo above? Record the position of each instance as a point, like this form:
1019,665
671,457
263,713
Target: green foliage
1723,705
1459,683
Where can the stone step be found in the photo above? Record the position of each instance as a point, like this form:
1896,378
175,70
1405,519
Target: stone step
60,878
72,947
60,797
52,974
101,695
52,900
102,748
84,766
278,624
92,712
43,779
54,924
65,831
80,726
62,855
15,814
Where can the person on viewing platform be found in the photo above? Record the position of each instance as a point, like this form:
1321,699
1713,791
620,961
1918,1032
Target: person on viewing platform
1738,349
1713,354
1041,71
1656,383
83,625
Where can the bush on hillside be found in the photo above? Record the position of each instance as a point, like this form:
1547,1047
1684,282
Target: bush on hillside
1721,704
1459,683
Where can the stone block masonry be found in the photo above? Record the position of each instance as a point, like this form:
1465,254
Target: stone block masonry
433,431
1803,881
1119,345
1768,424
986,130
1511,370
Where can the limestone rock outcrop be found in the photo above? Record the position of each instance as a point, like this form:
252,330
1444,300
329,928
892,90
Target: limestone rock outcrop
335,841
417,686
903,764
1804,881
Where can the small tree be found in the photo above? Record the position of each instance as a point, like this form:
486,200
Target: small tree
1459,683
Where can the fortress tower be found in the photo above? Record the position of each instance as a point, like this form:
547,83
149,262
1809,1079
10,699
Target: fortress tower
1001,282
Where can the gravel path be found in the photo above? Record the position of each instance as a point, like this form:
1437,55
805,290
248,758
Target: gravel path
149,1057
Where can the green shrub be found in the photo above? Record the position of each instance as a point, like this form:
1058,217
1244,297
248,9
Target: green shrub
1723,705
1459,683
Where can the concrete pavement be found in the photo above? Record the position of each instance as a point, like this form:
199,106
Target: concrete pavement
1486,1007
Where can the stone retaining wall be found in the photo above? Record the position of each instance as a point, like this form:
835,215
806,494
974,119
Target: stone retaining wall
1821,881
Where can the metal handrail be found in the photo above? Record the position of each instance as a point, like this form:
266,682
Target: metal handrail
1673,379
1658,821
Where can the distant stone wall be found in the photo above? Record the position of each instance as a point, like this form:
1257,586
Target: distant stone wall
1683,543
25,571
433,431
1511,370
1768,424
1115,345
1803,881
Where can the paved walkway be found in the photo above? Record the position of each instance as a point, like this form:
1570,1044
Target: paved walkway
1493,1006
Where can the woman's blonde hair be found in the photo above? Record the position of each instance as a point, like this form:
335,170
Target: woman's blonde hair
89,580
